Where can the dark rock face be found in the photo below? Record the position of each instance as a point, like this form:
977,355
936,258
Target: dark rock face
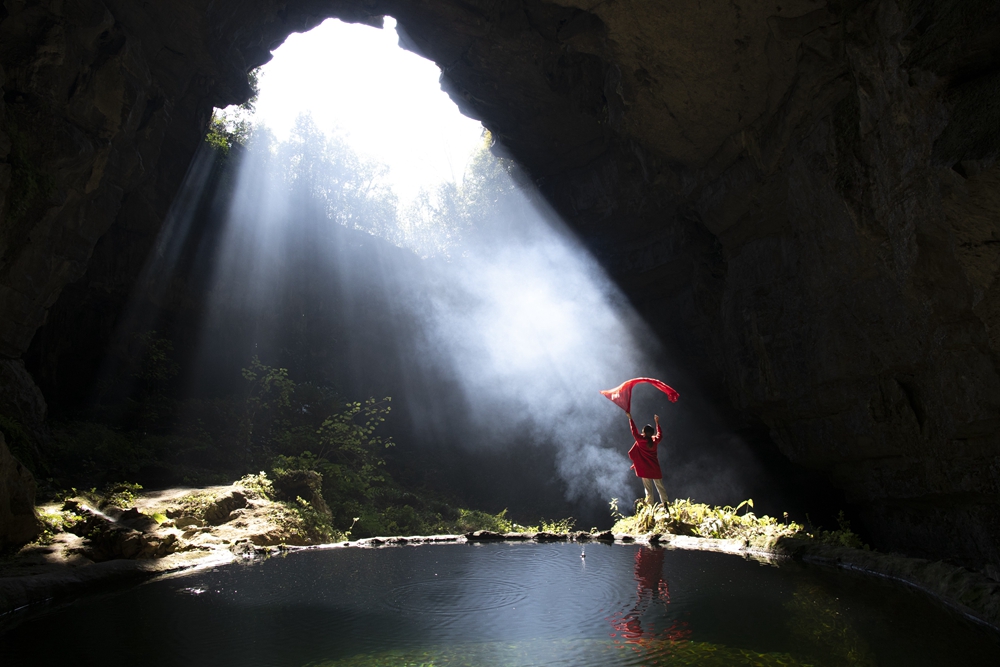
18,522
802,199
20,400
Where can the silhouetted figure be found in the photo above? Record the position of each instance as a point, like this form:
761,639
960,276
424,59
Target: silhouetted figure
644,460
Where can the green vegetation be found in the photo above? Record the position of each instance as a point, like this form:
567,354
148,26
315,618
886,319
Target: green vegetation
445,223
291,433
843,536
685,517
472,520
257,486
682,516
233,126
353,192
121,495
53,523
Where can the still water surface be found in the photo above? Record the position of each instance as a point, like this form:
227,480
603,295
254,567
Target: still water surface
503,604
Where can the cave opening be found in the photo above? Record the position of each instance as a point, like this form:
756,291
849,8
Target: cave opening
337,243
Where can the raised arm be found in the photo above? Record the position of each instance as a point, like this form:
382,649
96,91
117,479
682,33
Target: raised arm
658,434
631,424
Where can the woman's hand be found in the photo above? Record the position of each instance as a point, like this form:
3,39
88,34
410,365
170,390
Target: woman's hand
656,418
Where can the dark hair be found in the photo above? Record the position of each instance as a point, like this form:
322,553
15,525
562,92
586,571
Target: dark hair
648,430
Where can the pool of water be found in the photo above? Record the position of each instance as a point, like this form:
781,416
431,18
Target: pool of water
502,604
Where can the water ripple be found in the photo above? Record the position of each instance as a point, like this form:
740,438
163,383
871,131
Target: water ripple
448,596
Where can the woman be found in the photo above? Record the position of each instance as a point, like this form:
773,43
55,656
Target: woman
644,460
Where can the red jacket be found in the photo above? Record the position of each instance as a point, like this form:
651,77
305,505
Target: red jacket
643,453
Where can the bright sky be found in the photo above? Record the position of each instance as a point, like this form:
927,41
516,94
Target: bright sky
384,99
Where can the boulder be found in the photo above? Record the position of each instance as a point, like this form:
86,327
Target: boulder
136,520
219,511
544,536
186,520
19,522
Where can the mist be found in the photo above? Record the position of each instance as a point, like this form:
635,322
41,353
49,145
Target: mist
492,320
532,329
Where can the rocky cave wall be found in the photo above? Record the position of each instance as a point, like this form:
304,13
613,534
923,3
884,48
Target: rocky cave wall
800,196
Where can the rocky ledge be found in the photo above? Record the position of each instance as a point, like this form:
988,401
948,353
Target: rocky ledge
85,547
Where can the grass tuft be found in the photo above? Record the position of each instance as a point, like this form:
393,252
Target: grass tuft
686,517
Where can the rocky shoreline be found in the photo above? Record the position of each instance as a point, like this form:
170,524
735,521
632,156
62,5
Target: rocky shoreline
185,529
967,592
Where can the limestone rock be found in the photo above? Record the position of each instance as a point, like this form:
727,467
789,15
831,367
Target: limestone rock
219,511
517,537
110,540
184,520
133,518
19,523
543,536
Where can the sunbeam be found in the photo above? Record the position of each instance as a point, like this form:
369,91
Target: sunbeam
505,329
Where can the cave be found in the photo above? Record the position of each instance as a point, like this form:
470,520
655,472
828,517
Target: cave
800,198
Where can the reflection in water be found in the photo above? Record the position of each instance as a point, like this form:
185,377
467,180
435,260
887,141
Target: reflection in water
650,587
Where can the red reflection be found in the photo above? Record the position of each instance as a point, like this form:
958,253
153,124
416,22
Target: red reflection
650,587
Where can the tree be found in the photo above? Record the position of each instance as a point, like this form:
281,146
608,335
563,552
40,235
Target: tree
488,203
351,190
234,124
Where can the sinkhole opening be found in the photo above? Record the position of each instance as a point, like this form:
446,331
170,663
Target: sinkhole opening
351,281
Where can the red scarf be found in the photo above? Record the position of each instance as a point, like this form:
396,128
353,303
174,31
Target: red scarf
622,394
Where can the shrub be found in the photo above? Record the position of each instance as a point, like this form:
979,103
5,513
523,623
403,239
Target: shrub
120,494
257,486
683,516
688,517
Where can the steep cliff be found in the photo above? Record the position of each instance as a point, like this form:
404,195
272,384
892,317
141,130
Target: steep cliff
801,196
